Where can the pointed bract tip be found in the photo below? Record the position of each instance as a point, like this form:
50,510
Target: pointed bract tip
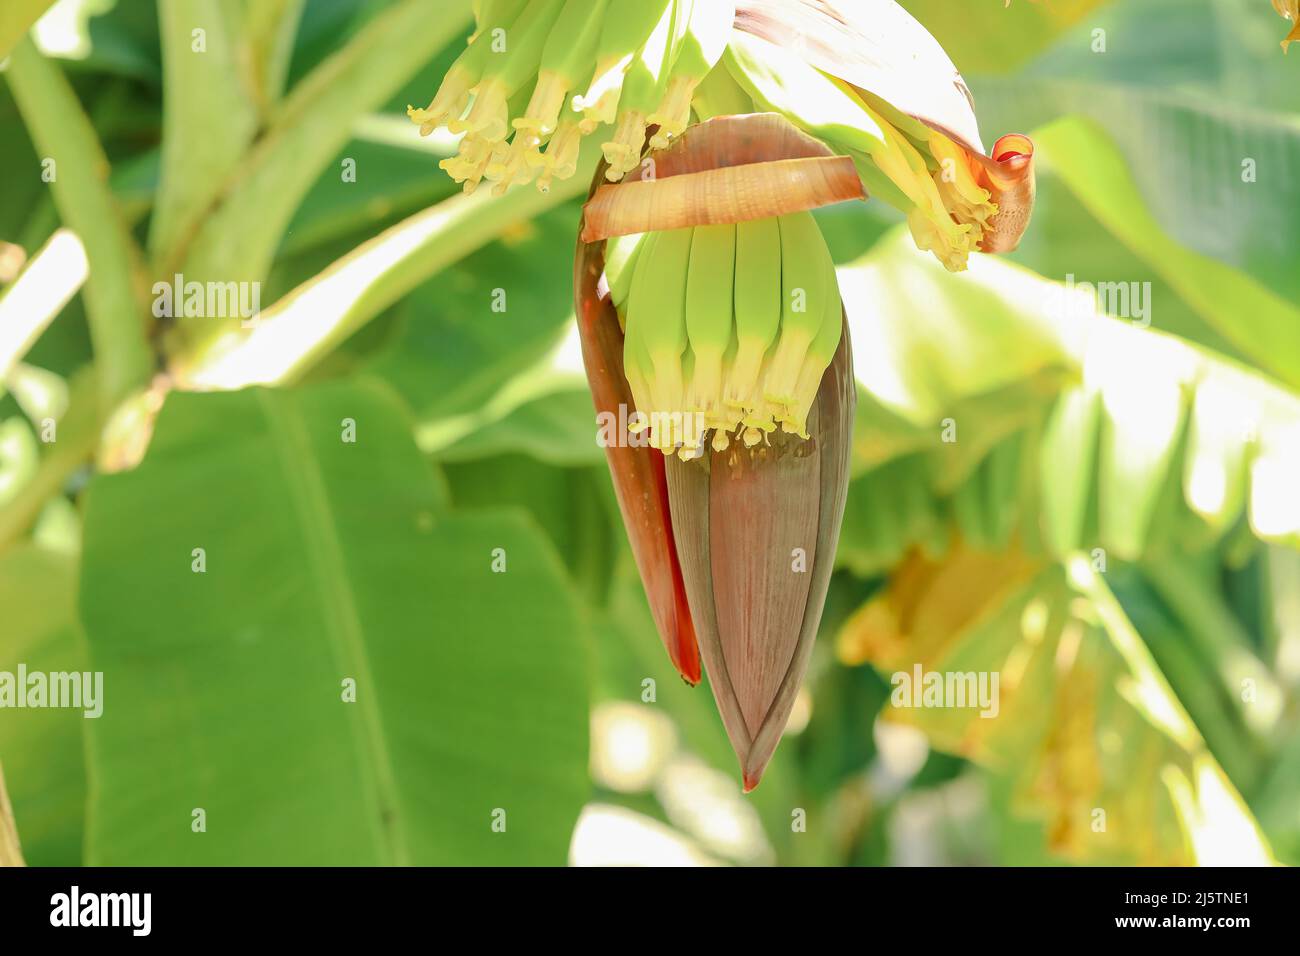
690,672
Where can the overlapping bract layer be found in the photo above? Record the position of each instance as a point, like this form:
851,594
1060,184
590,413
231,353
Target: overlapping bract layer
729,329
539,75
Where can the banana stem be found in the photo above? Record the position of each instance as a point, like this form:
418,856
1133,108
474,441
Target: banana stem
116,304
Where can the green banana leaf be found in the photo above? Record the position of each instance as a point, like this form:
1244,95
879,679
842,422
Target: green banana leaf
333,686
41,748
1137,440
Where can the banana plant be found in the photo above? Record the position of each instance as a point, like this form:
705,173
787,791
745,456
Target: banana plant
928,454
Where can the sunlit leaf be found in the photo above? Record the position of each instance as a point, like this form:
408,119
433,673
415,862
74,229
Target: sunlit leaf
1258,321
1080,716
1129,432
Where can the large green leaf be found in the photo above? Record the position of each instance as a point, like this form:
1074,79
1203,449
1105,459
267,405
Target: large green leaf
325,561
545,410
560,500
1133,439
558,427
1258,321
395,176
484,319
41,749
1194,95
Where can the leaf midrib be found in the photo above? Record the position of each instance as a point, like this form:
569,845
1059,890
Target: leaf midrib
341,621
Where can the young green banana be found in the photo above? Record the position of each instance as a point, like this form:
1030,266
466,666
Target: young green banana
567,60
507,71
643,88
490,14
757,307
656,318
637,366
820,355
709,304
703,41
628,25
621,254
803,303
727,327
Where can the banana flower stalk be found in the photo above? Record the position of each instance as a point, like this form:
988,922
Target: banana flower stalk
734,523
707,302
735,539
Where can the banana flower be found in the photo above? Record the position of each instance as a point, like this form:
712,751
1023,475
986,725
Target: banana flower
734,537
860,75
707,302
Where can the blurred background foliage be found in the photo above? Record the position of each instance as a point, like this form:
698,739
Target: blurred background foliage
1113,530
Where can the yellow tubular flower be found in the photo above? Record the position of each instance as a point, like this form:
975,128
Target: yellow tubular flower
964,197
933,227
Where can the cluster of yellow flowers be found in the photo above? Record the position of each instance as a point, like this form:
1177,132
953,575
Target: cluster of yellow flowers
539,75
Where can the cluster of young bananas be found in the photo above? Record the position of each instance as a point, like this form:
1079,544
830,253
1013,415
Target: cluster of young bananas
627,64
728,329
539,75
